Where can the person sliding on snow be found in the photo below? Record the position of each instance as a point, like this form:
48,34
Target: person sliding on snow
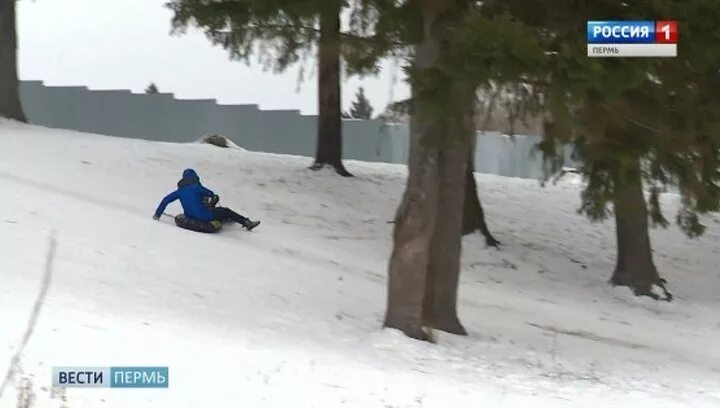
198,203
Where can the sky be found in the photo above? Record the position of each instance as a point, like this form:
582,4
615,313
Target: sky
111,44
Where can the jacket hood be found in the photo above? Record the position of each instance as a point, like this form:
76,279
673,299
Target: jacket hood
190,173
189,177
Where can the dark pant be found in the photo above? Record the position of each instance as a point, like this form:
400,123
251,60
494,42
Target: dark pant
223,214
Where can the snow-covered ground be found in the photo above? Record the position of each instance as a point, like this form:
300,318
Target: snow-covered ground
290,315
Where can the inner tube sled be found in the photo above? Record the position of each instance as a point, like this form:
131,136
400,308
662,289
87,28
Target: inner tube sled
196,225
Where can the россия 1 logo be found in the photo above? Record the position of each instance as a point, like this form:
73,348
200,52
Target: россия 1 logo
632,38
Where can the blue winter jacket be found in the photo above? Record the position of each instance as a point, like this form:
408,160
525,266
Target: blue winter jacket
190,193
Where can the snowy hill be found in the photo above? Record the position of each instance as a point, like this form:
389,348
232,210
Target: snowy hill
291,314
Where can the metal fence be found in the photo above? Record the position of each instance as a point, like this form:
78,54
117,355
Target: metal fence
162,117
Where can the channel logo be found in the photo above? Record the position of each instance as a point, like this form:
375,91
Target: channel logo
632,38
110,377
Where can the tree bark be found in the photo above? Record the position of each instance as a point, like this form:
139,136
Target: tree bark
10,106
413,232
473,214
329,138
634,268
416,217
446,245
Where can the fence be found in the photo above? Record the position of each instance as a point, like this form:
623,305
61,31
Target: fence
162,117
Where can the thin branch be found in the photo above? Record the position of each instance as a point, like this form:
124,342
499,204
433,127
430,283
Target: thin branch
314,30
15,361
643,125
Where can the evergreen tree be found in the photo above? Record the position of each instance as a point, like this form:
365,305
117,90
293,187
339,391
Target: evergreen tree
392,115
361,107
10,106
453,50
152,89
636,124
284,32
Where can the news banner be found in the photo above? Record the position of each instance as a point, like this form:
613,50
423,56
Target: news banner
632,38
110,377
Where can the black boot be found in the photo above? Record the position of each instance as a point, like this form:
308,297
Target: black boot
250,225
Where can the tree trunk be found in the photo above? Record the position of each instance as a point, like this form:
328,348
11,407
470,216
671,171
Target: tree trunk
446,245
474,216
635,268
329,139
416,217
413,231
10,106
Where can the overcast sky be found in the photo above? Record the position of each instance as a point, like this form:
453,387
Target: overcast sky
126,44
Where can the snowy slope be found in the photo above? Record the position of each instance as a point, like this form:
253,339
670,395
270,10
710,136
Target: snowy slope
290,315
